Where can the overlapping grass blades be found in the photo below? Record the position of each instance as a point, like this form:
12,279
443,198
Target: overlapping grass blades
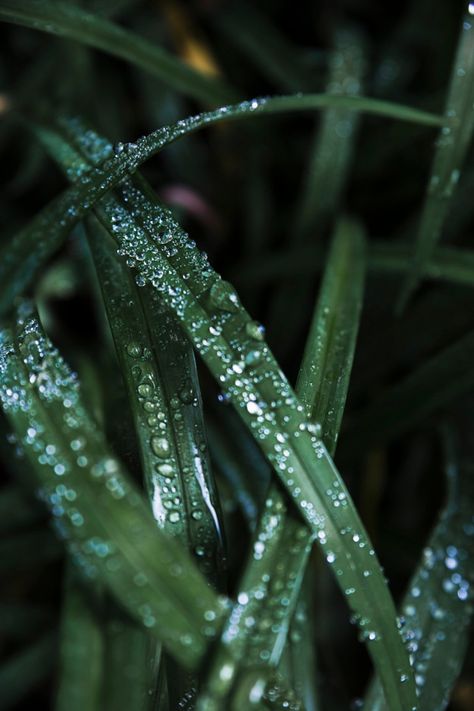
106,523
437,606
232,346
69,20
449,156
25,254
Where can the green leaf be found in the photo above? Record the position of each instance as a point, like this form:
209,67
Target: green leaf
451,150
108,528
69,20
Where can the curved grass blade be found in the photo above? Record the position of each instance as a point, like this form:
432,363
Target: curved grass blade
420,394
69,20
25,254
108,528
232,346
450,153
323,378
438,604
21,673
80,649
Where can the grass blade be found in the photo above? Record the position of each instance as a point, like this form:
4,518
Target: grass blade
107,525
437,606
450,153
71,21
323,378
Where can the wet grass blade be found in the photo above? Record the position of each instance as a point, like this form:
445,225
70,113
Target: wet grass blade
23,256
71,21
422,393
438,604
255,633
107,525
450,153
80,648
323,378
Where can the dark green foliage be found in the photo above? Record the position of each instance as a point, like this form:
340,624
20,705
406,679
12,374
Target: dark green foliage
207,550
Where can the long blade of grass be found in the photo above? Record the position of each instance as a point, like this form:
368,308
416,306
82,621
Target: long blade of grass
71,21
107,525
24,255
450,153
324,374
81,643
430,387
437,606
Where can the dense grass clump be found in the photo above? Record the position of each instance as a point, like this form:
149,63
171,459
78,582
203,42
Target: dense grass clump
287,521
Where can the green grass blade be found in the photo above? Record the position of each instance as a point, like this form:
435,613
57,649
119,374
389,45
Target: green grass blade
69,20
25,670
324,375
422,393
107,525
26,253
255,633
331,152
80,648
451,149
231,345
131,664
438,604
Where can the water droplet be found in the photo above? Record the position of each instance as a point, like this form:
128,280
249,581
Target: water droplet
160,446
